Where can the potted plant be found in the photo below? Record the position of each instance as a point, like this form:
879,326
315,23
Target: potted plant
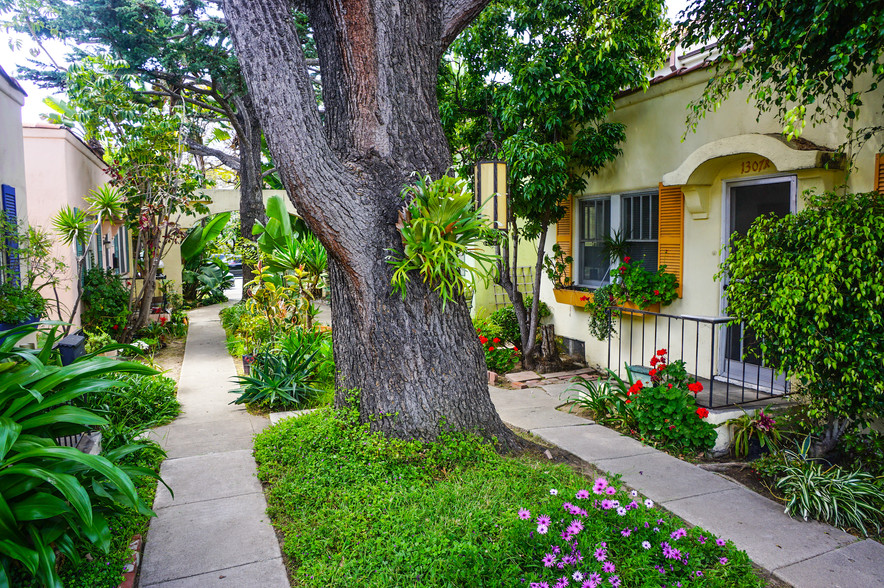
633,286
19,306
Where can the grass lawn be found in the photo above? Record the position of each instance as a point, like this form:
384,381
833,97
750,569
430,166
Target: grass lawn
355,509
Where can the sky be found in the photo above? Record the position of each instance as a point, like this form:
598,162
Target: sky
10,60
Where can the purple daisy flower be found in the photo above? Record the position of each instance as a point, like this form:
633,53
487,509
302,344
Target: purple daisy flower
610,491
581,494
601,554
524,514
609,567
549,560
544,520
720,542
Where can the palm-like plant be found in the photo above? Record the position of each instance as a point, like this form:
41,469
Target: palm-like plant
51,496
106,203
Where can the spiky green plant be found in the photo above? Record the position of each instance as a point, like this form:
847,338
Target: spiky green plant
441,231
834,495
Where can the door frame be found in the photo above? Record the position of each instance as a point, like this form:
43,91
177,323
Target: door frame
726,186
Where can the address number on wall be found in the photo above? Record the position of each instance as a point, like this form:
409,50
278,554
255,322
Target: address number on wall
755,165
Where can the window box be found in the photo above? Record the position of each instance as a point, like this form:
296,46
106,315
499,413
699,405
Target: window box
573,297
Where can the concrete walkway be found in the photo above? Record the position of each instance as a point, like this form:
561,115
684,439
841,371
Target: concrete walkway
215,532
804,554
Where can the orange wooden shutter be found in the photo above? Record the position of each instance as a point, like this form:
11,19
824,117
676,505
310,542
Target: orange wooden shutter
879,172
563,231
670,244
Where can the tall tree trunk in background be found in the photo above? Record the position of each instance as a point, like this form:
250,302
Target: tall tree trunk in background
251,201
419,370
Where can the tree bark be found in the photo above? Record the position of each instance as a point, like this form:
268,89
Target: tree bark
251,198
419,370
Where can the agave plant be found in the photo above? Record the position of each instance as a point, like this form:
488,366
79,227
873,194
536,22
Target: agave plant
281,378
52,496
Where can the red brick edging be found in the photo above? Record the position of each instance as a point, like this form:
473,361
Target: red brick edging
131,569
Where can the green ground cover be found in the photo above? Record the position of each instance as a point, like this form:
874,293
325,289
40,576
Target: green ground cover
358,509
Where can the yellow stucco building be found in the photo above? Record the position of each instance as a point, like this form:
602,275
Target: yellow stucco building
676,197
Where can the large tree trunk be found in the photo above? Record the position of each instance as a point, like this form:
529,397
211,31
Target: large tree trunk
419,370
251,200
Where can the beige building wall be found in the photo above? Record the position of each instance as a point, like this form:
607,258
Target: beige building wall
729,145
12,159
61,170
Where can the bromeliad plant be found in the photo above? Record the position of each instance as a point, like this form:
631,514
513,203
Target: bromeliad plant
758,426
442,233
52,497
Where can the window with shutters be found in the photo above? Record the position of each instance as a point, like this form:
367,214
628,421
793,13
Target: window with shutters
633,216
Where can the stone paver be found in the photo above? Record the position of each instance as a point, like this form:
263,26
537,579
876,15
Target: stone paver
207,536
255,575
594,442
215,530
827,570
522,376
758,525
805,554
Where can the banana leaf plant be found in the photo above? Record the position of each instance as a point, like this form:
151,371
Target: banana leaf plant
52,497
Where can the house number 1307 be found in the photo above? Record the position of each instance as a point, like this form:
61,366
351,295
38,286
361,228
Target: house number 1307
754,166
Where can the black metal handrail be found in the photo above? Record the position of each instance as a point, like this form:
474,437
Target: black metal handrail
675,332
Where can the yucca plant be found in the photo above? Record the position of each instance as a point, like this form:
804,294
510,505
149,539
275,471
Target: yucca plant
840,497
441,230
52,496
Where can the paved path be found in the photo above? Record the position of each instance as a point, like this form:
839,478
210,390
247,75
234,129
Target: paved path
804,554
215,532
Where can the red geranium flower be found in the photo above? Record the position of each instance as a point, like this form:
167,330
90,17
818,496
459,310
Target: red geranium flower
115,327
653,373
695,387
654,361
661,352
515,348
483,340
495,340
669,386
491,348
656,292
627,259
628,401
584,298
702,413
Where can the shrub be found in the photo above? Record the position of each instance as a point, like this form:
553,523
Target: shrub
506,321
55,497
315,341
105,302
666,412
135,403
19,305
810,285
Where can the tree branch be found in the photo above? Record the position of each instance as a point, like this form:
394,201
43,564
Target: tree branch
456,16
273,64
227,159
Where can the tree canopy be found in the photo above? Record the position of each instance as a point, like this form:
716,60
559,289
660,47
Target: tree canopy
807,61
537,81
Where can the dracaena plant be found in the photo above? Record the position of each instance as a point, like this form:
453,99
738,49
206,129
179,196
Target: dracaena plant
53,497
441,232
